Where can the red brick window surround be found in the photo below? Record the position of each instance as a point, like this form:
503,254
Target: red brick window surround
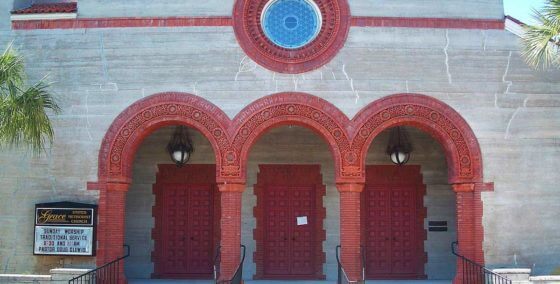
335,16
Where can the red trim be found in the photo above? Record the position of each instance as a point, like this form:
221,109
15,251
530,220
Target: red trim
93,23
434,23
92,185
226,21
299,175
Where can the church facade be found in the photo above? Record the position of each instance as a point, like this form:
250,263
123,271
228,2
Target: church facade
389,128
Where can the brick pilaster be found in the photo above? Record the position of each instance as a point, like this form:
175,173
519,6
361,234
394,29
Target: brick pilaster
470,233
230,222
110,231
350,229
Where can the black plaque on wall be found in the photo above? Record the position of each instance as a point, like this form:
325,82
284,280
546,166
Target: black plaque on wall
437,226
65,228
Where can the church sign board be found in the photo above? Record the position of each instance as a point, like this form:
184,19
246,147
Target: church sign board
65,228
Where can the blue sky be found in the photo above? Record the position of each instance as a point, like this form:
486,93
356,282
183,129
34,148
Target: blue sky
522,9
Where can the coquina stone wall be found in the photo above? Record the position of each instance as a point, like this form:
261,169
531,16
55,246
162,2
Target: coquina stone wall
97,73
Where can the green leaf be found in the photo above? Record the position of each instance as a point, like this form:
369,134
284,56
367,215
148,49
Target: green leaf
24,119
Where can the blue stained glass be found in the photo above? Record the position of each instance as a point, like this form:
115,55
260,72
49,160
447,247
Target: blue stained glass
291,23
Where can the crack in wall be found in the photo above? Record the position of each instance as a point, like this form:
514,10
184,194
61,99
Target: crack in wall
484,39
504,81
508,83
104,67
445,50
245,65
508,135
88,124
348,78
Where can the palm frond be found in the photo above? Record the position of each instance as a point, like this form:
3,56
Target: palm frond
12,71
24,120
541,42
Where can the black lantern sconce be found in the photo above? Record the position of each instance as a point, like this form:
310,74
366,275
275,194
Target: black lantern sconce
180,146
399,147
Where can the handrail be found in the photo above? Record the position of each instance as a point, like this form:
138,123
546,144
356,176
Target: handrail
107,273
237,277
474,273
342,276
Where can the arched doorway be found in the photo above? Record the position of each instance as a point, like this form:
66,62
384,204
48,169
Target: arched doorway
408,211
119,147
462,153
172,213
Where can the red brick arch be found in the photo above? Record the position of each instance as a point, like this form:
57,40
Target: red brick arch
461,147
140,119
282,109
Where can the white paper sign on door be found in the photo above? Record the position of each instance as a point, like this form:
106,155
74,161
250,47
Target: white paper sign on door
301,220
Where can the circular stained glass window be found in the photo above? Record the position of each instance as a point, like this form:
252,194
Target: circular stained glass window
291,24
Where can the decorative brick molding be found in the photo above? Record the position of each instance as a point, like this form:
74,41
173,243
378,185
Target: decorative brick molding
287,108
247,25
457,139
276,175
140,119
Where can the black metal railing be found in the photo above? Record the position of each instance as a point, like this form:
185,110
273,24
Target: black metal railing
342,276
237,277
474,273
108,273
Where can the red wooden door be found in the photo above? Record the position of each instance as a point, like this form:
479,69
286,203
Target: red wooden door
185,245
393,222
289,250
289,247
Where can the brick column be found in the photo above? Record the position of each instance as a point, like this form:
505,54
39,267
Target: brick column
110,230
230,222
350,229
470,233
